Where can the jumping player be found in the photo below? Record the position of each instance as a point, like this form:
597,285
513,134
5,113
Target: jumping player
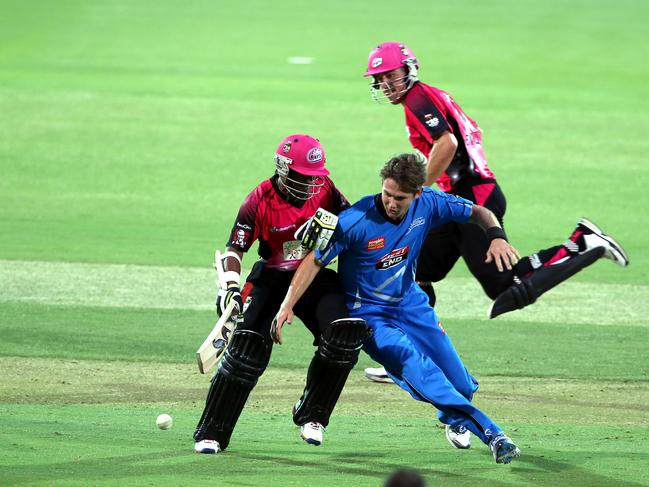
272,213
378,241
451,143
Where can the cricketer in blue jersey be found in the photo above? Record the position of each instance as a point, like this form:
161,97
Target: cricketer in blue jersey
377,242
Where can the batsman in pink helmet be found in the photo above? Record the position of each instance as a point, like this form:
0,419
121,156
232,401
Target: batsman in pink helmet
280,213
451,144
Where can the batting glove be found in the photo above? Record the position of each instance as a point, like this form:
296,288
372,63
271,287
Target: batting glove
319,230
224,297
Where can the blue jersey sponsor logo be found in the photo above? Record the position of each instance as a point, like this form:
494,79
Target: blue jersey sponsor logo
394,258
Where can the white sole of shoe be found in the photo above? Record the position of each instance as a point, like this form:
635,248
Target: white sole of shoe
454,444
614,251
379,378
490,310
209,449
373,375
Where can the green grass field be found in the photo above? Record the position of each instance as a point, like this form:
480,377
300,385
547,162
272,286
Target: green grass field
130,132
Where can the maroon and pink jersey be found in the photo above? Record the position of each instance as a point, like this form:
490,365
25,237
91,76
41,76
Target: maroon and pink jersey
429,113
268,216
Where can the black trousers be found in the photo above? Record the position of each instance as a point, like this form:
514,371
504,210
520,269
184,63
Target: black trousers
322,303
445,244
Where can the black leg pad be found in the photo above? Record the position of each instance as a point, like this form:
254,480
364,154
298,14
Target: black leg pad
340,345
527,290
243,363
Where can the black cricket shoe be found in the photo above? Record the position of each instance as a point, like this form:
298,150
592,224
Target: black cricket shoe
593,237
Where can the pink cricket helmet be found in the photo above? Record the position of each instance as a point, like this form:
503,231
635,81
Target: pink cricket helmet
305,156
388,57
302,153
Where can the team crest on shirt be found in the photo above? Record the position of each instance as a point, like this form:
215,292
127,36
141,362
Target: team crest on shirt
240,238
416,223
241,234
376,243
394,258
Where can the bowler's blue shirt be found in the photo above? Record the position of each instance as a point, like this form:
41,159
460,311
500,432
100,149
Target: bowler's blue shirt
377,256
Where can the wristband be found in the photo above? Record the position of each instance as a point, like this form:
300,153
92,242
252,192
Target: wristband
494,233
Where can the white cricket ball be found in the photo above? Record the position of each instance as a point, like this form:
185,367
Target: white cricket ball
164,421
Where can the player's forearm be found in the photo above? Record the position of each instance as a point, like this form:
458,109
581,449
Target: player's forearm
232,263
440,157
304,276
483,217
228,268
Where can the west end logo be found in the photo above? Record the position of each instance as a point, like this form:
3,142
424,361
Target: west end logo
314,155
396,257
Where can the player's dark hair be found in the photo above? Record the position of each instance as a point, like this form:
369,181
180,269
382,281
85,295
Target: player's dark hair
407,170
405,477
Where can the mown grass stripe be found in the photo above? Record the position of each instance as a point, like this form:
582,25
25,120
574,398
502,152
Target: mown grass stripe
66,382
190,288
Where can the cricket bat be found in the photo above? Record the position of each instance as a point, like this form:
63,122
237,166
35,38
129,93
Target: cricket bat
217,341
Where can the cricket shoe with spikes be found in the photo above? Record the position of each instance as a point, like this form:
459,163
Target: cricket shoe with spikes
207,446
378,374
593,237
312,433
503,449
458,436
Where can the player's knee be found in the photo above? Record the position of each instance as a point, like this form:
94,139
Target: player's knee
432,274
494,287
246,358
466,388
341,342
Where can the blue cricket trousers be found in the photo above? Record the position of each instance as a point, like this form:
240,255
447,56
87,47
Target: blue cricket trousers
411,344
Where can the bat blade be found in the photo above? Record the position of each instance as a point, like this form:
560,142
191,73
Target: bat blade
211,350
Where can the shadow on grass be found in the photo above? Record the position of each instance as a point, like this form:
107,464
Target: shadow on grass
284,467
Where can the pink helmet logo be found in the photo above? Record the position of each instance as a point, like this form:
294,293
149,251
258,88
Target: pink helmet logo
314,155
376,62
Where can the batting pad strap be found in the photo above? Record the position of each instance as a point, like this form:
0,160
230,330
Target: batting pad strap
341,342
